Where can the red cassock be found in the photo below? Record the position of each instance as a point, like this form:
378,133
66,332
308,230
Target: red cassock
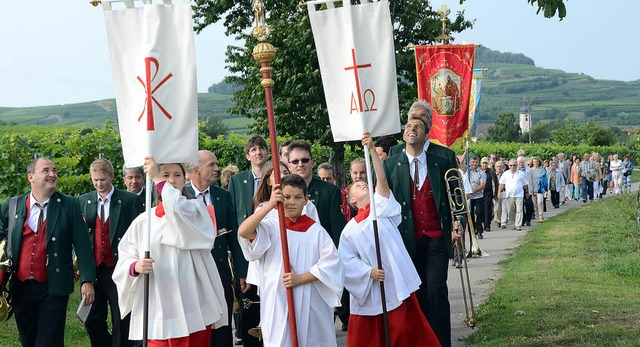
407,327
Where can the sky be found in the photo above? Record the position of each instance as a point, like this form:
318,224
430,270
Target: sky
56,52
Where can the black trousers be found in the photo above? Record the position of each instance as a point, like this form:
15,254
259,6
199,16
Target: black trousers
40,318
431,262
488,210
555,198
528,209
477,214
96,324
250,317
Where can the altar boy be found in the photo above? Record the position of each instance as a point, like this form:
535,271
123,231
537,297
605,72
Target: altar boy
407,324
316,270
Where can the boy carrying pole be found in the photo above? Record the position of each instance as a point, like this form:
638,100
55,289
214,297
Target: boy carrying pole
407,324
317,273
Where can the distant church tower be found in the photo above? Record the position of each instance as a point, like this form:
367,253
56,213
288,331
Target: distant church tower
525,119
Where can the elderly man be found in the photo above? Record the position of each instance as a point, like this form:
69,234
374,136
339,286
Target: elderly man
478,179
416,177
204,175
43,228
500,209
514,187
587,170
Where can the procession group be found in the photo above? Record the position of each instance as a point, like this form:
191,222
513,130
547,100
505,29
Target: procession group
518,190
212,247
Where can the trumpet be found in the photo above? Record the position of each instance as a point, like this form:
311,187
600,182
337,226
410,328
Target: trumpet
460,211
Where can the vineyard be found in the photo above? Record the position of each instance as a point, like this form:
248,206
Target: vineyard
74,148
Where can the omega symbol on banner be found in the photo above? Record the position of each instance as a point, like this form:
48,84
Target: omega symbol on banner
148,105
368,96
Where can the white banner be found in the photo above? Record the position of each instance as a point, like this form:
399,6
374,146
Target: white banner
358,67
154,71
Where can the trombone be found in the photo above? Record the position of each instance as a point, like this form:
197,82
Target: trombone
460,211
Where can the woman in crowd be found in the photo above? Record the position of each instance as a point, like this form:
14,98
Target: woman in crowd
628,171
576,178
537,177
616,167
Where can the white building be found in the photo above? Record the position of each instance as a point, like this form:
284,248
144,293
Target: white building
525,119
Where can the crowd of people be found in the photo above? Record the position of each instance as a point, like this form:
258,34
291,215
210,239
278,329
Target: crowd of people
215,252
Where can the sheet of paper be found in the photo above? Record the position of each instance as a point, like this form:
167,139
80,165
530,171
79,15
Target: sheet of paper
83,310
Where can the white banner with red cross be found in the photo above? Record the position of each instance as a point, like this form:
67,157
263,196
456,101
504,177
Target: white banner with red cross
154,71
358,67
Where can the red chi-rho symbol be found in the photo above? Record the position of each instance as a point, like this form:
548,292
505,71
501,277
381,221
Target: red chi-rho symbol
356,105
148,105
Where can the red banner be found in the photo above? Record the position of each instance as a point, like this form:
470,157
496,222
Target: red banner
444,80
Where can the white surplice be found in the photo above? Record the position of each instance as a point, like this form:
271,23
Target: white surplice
252,270
185,291
358,253
309,251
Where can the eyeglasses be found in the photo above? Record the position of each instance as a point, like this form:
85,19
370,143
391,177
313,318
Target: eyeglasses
512,165
297,161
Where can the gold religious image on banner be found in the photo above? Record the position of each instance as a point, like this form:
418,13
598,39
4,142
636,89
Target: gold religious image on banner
445,93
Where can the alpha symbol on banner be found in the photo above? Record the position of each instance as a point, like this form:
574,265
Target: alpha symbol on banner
368,95
148,105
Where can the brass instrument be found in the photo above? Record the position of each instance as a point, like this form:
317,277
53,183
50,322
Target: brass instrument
6,310
460,212
459,208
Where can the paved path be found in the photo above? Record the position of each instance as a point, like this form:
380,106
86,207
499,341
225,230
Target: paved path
483,272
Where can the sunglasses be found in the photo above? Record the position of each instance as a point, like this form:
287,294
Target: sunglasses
512,165
297,161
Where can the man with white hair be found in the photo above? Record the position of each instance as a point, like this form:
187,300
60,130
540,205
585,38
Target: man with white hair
514,187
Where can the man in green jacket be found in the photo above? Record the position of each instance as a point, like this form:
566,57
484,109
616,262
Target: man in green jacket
47,226
242,187
108,212
416,177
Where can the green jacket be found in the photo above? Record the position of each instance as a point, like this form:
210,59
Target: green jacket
225,218
124,207
326,197
241,190
439,160
65,231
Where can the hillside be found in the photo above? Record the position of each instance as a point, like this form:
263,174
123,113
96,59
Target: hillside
96,112
554,94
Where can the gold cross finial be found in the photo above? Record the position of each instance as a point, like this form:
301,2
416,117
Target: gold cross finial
444,13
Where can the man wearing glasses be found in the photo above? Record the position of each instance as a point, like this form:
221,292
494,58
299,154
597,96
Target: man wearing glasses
513,187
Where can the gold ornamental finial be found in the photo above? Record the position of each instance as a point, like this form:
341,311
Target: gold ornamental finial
95,3
444,13
261,31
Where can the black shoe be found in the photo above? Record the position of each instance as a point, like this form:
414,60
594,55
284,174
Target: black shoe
585,201
527,224
480,236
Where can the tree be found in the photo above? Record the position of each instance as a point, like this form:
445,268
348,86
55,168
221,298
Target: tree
568,133
214,126
299,105
505,129
596,135
550,7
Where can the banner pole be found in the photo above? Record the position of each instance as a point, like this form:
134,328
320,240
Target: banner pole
147,255
385,318
264,53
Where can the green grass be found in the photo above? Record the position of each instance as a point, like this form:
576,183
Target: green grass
575,281
75,334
